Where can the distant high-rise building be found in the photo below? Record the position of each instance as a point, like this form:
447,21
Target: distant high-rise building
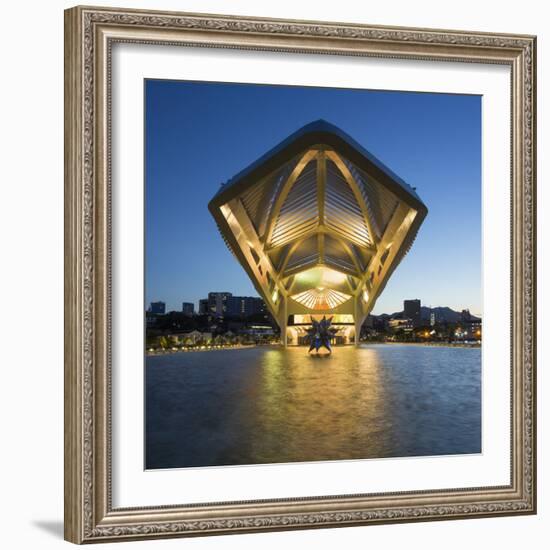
203,306
411,310
432,318
471,324
218,302
244,306
158,307
465,316
188,308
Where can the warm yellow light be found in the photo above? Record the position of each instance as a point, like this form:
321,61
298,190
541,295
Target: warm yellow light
337,318
365,296
275,296
321,299
321,277
331,276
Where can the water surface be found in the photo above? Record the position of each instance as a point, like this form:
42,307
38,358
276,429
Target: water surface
269,405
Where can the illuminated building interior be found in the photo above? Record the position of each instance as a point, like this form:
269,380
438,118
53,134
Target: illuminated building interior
319,224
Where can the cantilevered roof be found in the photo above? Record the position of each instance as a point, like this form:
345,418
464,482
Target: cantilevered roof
318,220
316,131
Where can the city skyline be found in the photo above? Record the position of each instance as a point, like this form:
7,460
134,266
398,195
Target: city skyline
255,296
233,124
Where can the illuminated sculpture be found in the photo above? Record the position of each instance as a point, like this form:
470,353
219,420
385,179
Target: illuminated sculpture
320,334
319,224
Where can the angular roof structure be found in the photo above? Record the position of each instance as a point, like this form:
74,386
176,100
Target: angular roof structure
319,224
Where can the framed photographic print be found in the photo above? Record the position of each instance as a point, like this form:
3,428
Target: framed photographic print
300,274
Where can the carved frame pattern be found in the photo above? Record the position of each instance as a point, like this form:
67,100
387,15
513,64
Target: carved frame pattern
89,34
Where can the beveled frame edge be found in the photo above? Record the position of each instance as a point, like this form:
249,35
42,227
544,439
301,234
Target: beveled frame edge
89,33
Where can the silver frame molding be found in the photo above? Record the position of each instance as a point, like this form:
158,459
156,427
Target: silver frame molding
89,35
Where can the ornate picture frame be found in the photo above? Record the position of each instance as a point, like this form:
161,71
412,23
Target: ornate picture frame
89,36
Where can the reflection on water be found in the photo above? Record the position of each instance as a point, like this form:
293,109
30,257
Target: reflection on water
266,405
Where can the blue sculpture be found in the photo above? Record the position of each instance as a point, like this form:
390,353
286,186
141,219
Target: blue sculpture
320,334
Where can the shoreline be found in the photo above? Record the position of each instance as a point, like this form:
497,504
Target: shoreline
428,344
171,351
252,346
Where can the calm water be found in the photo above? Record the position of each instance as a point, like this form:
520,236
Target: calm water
265,405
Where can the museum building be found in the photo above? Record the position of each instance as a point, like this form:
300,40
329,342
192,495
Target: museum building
319,224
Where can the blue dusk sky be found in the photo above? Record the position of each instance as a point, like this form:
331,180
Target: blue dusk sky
199,135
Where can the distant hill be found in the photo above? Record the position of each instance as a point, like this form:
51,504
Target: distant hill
442,314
